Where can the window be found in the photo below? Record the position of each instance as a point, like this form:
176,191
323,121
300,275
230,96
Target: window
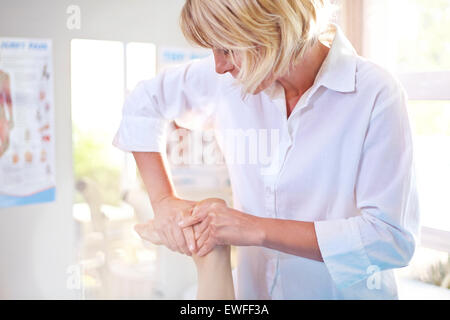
97,101
97,74
115,264
411,38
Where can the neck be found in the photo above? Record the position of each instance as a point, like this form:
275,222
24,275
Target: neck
301,77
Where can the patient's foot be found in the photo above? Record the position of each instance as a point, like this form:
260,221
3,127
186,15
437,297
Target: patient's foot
215,281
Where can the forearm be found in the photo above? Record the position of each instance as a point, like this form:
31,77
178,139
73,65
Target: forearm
153,170
290,236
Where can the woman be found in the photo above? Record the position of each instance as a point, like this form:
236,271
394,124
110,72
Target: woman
335,210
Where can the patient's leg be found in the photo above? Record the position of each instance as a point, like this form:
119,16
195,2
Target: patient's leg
215,281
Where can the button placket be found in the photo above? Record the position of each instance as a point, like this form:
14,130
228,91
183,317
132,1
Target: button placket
270,180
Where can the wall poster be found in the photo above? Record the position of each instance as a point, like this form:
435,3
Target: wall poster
27,141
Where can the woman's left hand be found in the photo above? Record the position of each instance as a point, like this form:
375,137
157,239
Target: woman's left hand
217,224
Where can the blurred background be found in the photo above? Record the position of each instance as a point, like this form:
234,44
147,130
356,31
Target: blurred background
82,245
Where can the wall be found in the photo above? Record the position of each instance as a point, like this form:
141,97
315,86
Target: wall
37,242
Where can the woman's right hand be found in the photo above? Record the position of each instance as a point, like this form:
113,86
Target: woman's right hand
169,211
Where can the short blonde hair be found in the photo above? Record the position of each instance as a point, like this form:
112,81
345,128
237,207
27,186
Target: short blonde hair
269,35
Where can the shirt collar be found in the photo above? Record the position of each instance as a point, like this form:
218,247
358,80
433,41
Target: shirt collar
338,70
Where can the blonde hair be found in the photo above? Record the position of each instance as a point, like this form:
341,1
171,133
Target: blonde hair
269,36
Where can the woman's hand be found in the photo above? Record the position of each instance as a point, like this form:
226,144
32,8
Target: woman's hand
215,223
168,212
147,232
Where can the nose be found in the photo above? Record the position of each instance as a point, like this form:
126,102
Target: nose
223,64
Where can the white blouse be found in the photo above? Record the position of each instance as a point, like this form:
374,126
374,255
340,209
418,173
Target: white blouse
343,160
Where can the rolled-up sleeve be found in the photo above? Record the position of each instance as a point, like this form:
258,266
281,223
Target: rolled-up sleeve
184,93
384,234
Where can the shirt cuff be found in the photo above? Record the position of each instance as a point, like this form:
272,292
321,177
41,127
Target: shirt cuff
342,251
141,134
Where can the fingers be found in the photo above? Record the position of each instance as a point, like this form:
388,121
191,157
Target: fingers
170,240
190,238
190,221
188,232
203,237
201,210
180,240
207,247
182,226
201,227
175,238
199,213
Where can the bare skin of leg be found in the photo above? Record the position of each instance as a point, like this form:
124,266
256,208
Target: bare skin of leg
215,281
